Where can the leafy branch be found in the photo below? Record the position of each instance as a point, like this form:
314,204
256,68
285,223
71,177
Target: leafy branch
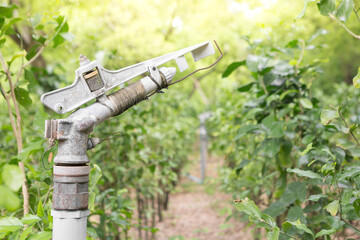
12,103
344,26
346,125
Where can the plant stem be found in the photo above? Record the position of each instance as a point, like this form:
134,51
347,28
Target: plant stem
272,228
300,57
16,126
343,25
350,226
356,13
263,85
346,125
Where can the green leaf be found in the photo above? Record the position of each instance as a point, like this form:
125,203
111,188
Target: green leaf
21,54
92,233
9,24
271,146
7,11
232,67
302,13
58,39
295,213
293,44
306,103
23,97
244,130
325,232
95,175
276,209
35,20
268,219
245,88
12,177
67,36
256,63
284,94
92,196
356,79
29,219
307,139
327,115
26,233
286,226
31,147
284,153
33,83
277,129
274,234
333,207
329,152
353,127
303,173
326,6
10,224
344,10
40,210
294,191
31,52
356,205
46,235
316,197
152,168
301,226
307,149
247,206
8,199
39,119
2,41
240,167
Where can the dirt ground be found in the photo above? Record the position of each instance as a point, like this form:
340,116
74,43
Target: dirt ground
199,212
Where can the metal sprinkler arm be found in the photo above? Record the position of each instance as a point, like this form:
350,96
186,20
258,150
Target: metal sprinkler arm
92,80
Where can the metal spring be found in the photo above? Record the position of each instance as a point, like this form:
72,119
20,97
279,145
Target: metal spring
127,97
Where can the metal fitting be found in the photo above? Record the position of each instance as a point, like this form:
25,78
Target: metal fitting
71,187
83,60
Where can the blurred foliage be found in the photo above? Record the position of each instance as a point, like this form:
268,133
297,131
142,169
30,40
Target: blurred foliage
291,156
268,94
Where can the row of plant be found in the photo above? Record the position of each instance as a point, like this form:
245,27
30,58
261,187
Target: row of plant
293,162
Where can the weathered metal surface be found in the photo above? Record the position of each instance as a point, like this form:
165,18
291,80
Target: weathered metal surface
71,170
94,80
71,201
71,187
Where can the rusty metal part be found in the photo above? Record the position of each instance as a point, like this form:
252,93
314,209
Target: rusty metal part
71,187
93,80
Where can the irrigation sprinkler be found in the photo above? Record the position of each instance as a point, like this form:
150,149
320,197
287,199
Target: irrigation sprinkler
203,148
92,81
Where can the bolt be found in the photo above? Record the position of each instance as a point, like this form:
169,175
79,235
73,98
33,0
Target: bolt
83,60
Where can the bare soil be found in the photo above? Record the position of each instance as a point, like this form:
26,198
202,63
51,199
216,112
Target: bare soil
199,212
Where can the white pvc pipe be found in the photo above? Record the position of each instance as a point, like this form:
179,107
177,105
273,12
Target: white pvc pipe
69,225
